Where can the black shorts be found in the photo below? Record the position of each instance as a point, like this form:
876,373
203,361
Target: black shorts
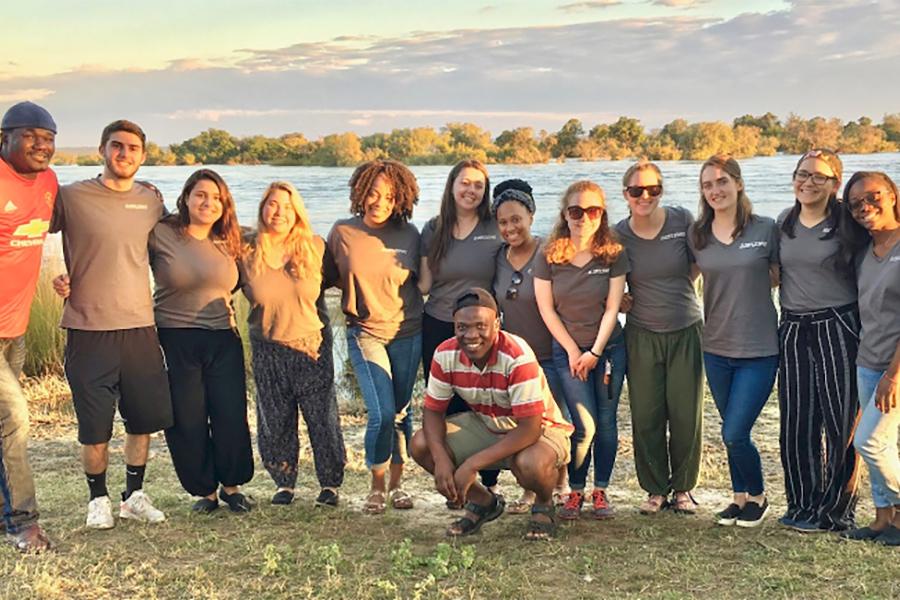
125,367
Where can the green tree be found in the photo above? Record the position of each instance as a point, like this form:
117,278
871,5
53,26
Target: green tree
702,140
629,133
891,126
518,146
801,135
567,139
338,150
158,156
862,137
661,146
768,124
212,147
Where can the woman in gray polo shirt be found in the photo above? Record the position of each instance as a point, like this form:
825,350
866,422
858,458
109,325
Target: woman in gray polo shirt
513,209
579,282
662,334
193,254
290,338
737,253
873,200
818,340
375,263
457,253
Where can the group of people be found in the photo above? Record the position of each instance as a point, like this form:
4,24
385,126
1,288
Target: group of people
518,337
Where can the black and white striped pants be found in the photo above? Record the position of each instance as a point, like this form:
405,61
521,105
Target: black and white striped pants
819,409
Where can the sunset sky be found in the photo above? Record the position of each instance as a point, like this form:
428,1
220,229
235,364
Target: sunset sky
275,66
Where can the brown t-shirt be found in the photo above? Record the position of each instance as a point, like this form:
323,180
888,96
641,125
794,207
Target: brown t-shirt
377,270
283,308
469,262
194,280
105,234
579,293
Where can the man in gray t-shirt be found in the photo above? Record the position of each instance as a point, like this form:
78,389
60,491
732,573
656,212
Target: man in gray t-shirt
113,358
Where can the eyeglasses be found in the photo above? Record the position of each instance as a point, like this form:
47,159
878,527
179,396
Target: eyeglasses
870,198
576,212
512,292
636,191
817,178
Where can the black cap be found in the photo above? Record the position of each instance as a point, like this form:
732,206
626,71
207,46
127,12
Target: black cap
476,296
27,114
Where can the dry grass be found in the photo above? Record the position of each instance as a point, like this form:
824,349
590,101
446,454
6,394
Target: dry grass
298,551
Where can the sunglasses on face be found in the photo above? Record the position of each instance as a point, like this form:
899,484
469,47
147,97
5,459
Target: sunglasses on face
870,198
576,212
636,191
512,292
817,178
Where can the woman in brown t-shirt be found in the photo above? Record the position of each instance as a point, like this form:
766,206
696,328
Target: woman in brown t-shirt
193,255
291,343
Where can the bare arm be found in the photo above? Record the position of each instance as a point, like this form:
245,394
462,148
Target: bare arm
543,292
888,391
425,277
434,426
589,360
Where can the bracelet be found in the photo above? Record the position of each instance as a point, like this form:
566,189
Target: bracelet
591,350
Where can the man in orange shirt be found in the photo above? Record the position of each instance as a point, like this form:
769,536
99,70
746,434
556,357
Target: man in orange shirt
27,192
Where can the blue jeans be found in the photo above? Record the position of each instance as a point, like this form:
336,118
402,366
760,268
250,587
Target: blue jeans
556,387
876,441
741,387
592,407
386,373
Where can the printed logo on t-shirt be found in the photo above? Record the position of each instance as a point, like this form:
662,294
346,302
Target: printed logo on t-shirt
826,229
760,244
33,232
131,206
598,271
395,250
10,207
479,238
672,236
894,259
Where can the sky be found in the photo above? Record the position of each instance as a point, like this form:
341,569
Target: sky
279,66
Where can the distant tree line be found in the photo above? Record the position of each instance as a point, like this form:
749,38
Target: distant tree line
748,135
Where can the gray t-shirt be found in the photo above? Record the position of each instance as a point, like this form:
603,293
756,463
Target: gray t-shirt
105,235
377,271
737,291
284,309
520,310
660,277
579,293
194,280
809,280
469,262
879,309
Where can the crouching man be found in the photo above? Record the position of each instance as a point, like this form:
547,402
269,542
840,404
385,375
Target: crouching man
514,423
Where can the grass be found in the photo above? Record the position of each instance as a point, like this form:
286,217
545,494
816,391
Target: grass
302,552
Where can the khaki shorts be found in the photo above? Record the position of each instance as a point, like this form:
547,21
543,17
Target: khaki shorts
467,435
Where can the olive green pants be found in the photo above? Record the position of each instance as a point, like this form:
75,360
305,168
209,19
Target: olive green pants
665,390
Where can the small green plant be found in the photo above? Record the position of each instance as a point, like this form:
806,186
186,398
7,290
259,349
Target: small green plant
271,560
328,557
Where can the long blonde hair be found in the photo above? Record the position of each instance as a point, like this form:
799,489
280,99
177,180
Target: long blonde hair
304,260
604,245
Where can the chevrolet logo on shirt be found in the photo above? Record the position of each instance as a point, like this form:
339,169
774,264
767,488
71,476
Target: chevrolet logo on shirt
33,231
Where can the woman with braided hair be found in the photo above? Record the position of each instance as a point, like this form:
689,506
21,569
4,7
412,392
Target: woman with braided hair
374,260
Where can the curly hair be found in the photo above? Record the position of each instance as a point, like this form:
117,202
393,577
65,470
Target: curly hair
605,245
703,227
403,183
446,219
305,261
226,229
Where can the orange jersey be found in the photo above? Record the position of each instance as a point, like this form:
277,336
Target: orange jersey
25,209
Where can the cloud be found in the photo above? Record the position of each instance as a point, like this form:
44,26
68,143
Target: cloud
678,3
586,6
812,58
13,96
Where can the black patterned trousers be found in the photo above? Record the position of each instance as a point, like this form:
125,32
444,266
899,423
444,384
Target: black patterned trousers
819,407
288,380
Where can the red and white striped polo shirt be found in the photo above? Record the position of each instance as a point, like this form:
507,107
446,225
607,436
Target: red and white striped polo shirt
511,385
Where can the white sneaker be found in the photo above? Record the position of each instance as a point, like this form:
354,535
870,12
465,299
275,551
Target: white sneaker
139,508
100,514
